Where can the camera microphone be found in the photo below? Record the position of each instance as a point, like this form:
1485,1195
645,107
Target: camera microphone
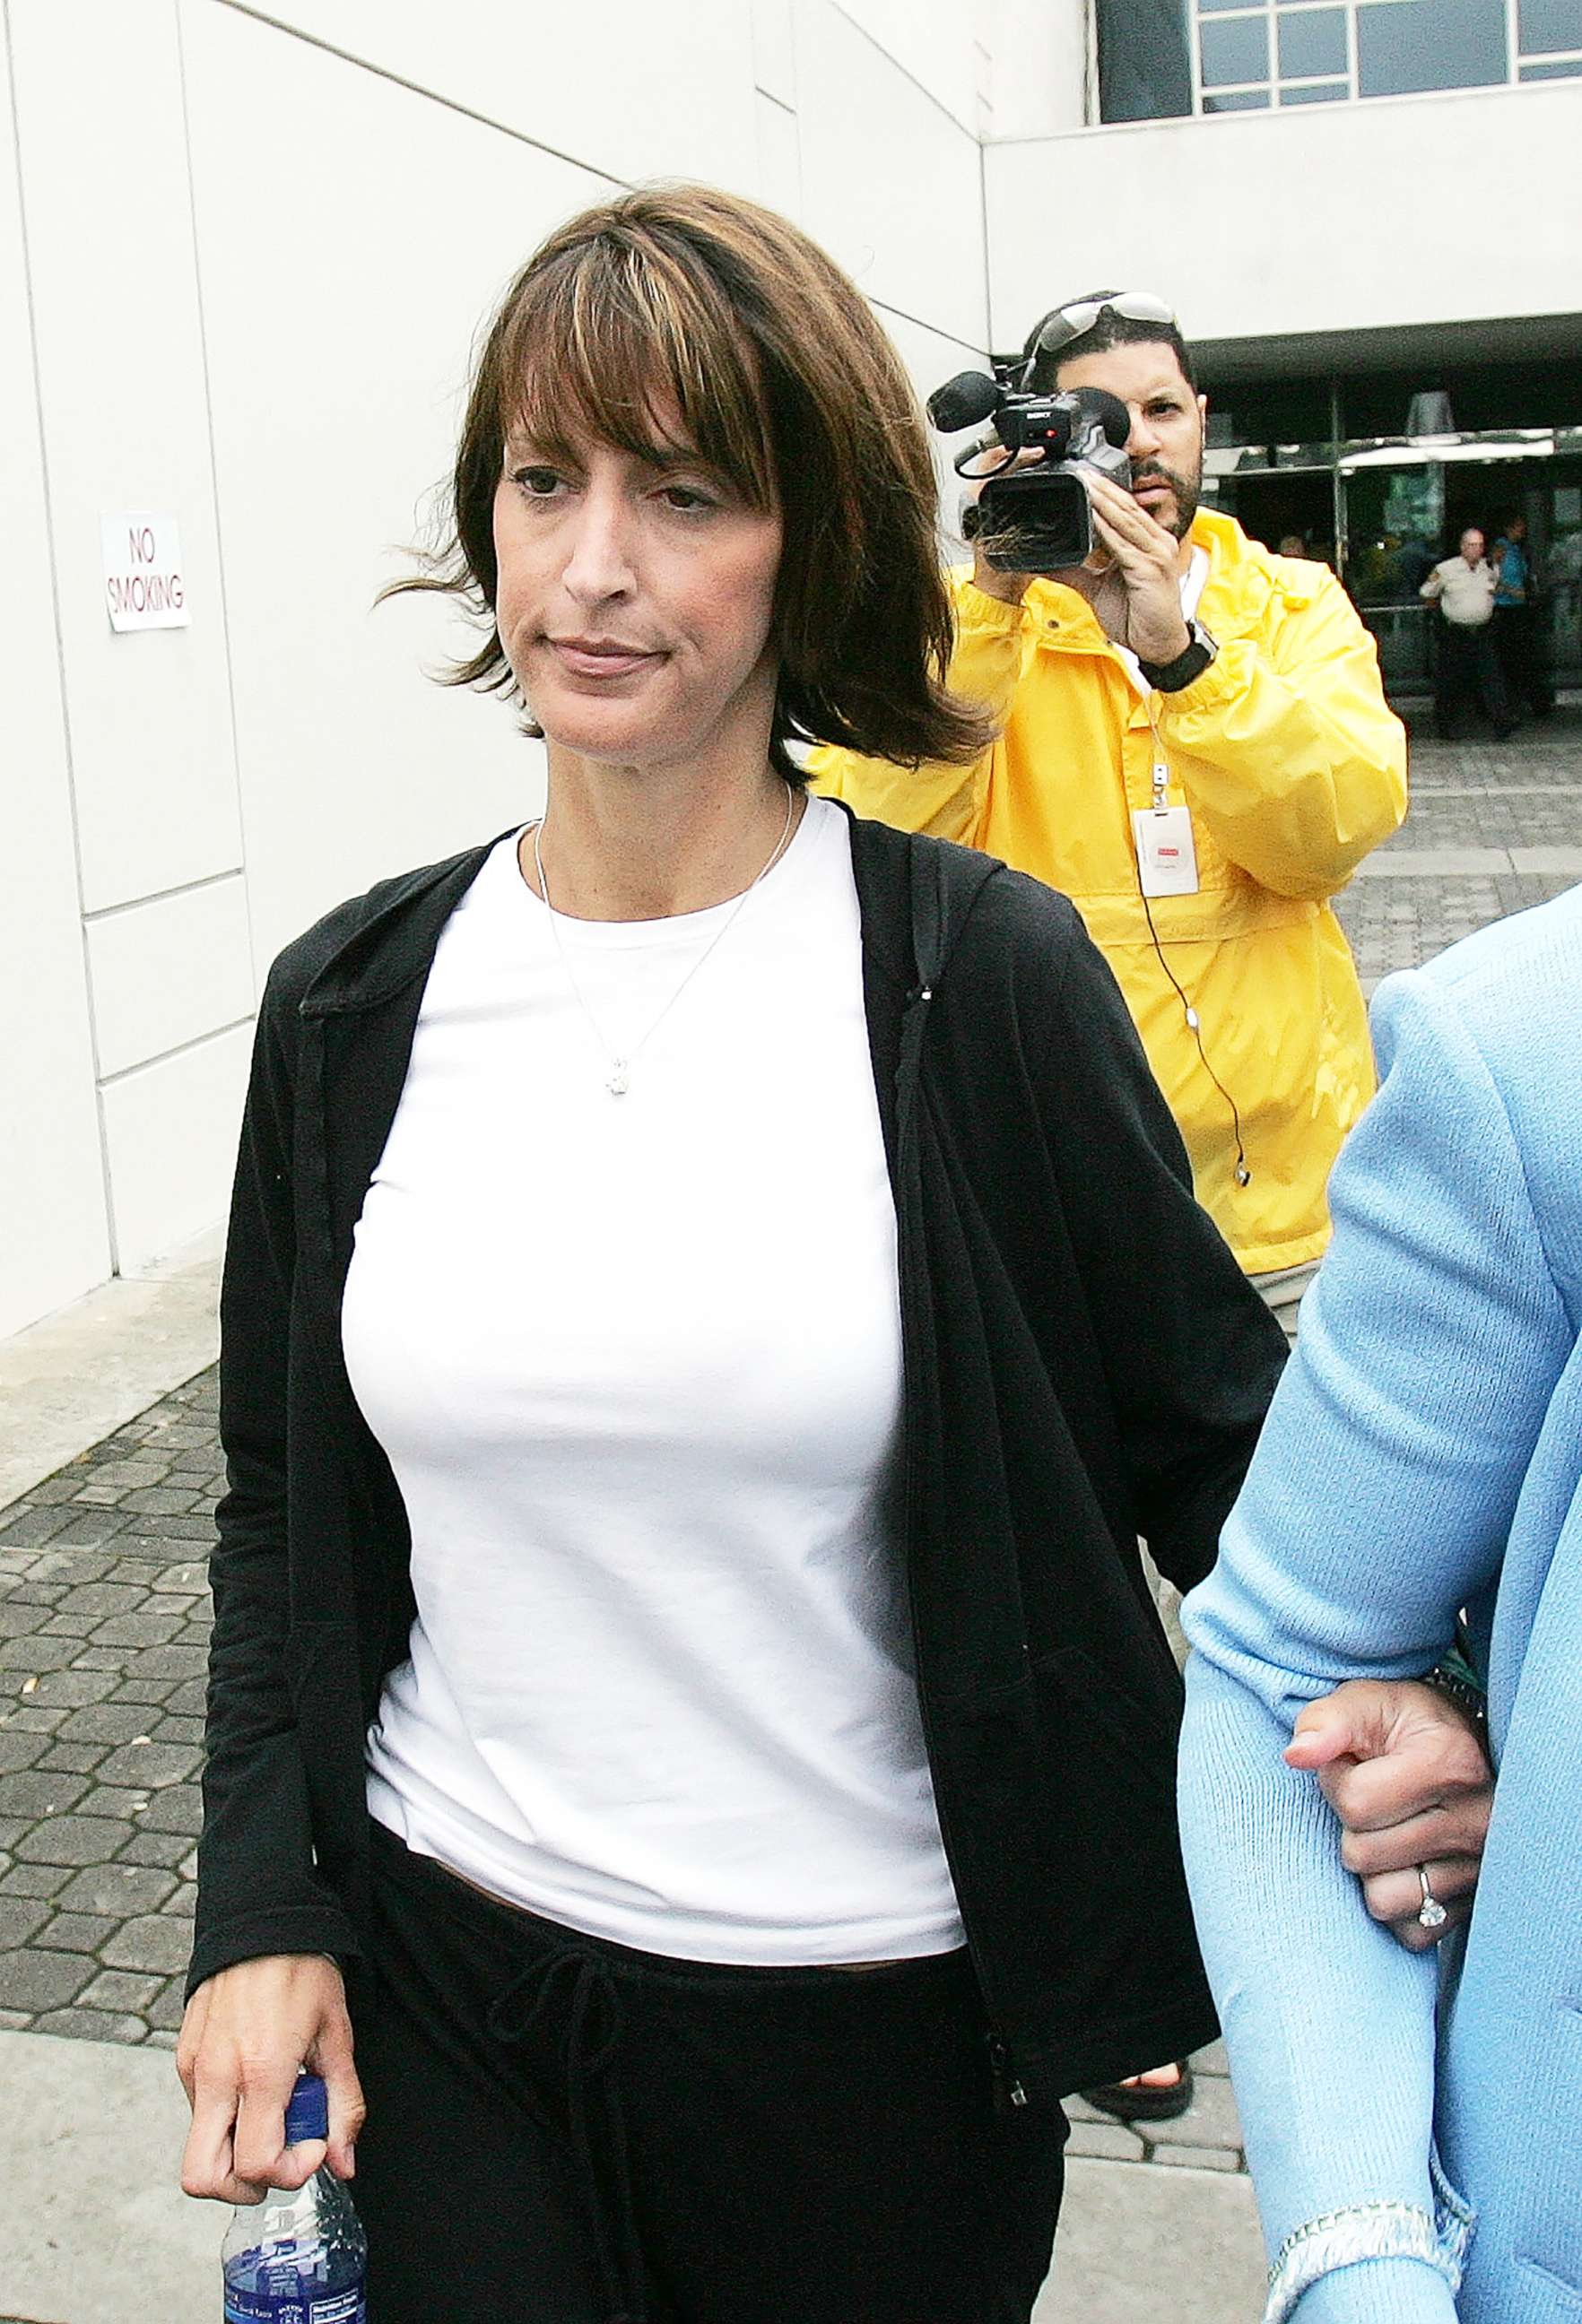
963,401
1032,509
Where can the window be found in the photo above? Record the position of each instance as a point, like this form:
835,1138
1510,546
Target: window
1544,26
1235,49
1313,40
1144,60
1549,36
1244,56
1403,46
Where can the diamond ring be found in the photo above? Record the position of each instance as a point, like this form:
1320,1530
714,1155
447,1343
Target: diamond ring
1430,1913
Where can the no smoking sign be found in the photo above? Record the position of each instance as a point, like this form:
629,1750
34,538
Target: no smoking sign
145,585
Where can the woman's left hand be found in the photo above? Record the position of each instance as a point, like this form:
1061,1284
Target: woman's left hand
1405,1771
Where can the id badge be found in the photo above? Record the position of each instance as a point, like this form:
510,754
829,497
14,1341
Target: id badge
1167,856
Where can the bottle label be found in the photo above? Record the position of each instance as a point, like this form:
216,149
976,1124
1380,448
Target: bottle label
295,2307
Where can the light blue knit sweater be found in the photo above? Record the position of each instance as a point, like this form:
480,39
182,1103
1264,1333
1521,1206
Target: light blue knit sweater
1424,1452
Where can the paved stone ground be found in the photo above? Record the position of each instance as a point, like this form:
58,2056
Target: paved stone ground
104,1611
104,1633
1492,829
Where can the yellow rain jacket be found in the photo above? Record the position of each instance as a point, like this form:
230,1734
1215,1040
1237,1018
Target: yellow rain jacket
1292,768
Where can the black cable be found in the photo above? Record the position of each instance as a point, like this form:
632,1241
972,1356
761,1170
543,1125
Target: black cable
1243,1173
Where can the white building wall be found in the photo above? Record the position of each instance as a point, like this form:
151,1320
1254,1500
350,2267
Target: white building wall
108,214
250,256
55,1241
1042,76
1314,219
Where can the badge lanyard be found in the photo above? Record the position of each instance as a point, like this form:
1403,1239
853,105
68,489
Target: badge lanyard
1167,865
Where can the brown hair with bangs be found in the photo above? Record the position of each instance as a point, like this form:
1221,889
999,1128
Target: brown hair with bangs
686,299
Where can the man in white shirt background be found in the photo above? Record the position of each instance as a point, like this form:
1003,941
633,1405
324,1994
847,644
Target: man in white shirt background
1463,587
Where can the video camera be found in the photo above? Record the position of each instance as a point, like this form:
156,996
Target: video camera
1034,519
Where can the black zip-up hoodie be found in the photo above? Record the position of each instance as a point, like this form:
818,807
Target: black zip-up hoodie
1083,1363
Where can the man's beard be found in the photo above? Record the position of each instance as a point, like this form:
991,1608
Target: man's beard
1187,492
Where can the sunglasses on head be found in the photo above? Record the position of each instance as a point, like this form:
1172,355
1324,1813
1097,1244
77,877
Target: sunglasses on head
1075,320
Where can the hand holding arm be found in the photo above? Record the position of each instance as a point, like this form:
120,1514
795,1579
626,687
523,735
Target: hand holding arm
1380,1501
247,2033
1404,1769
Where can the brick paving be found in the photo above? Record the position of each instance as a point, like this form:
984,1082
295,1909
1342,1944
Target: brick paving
1489,807
103,1639
104,1605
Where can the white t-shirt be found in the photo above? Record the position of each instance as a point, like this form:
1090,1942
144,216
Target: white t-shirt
636,1363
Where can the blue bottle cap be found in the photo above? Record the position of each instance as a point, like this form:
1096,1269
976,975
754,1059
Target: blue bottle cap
308,2110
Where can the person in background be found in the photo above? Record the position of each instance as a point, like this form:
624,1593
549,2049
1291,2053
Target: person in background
1467,668
1192,743
1517,641
1190,669
1412,2136
1294,544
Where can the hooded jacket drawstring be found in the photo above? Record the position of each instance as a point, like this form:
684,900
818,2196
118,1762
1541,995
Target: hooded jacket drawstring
588,2055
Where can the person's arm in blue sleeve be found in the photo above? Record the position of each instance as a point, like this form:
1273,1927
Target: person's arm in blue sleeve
1377,1503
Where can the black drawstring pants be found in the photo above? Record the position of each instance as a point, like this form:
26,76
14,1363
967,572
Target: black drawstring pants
563,2130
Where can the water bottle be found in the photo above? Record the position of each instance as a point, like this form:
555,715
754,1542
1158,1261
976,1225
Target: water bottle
298,2258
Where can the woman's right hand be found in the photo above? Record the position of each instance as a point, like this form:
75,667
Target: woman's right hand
247,2033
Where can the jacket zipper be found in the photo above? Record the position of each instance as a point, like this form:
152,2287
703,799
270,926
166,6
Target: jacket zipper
1008,2089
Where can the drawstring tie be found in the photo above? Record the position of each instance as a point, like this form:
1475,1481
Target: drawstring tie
583,1986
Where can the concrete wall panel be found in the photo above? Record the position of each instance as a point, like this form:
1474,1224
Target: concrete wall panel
779,157
774,49
165,973
636,91
890,181
125,428
56,1243
1037,69
937,43
1318,201
170,1143
341,319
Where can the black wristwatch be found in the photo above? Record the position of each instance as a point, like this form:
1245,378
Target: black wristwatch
1456,1674
1169,677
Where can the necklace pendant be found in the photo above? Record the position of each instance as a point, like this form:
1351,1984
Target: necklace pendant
619,1082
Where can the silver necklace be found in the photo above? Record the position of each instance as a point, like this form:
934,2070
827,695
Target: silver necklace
618,1078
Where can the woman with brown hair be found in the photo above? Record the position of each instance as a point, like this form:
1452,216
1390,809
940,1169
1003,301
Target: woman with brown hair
713,1298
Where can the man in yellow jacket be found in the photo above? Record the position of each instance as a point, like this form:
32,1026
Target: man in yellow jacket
1194,745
